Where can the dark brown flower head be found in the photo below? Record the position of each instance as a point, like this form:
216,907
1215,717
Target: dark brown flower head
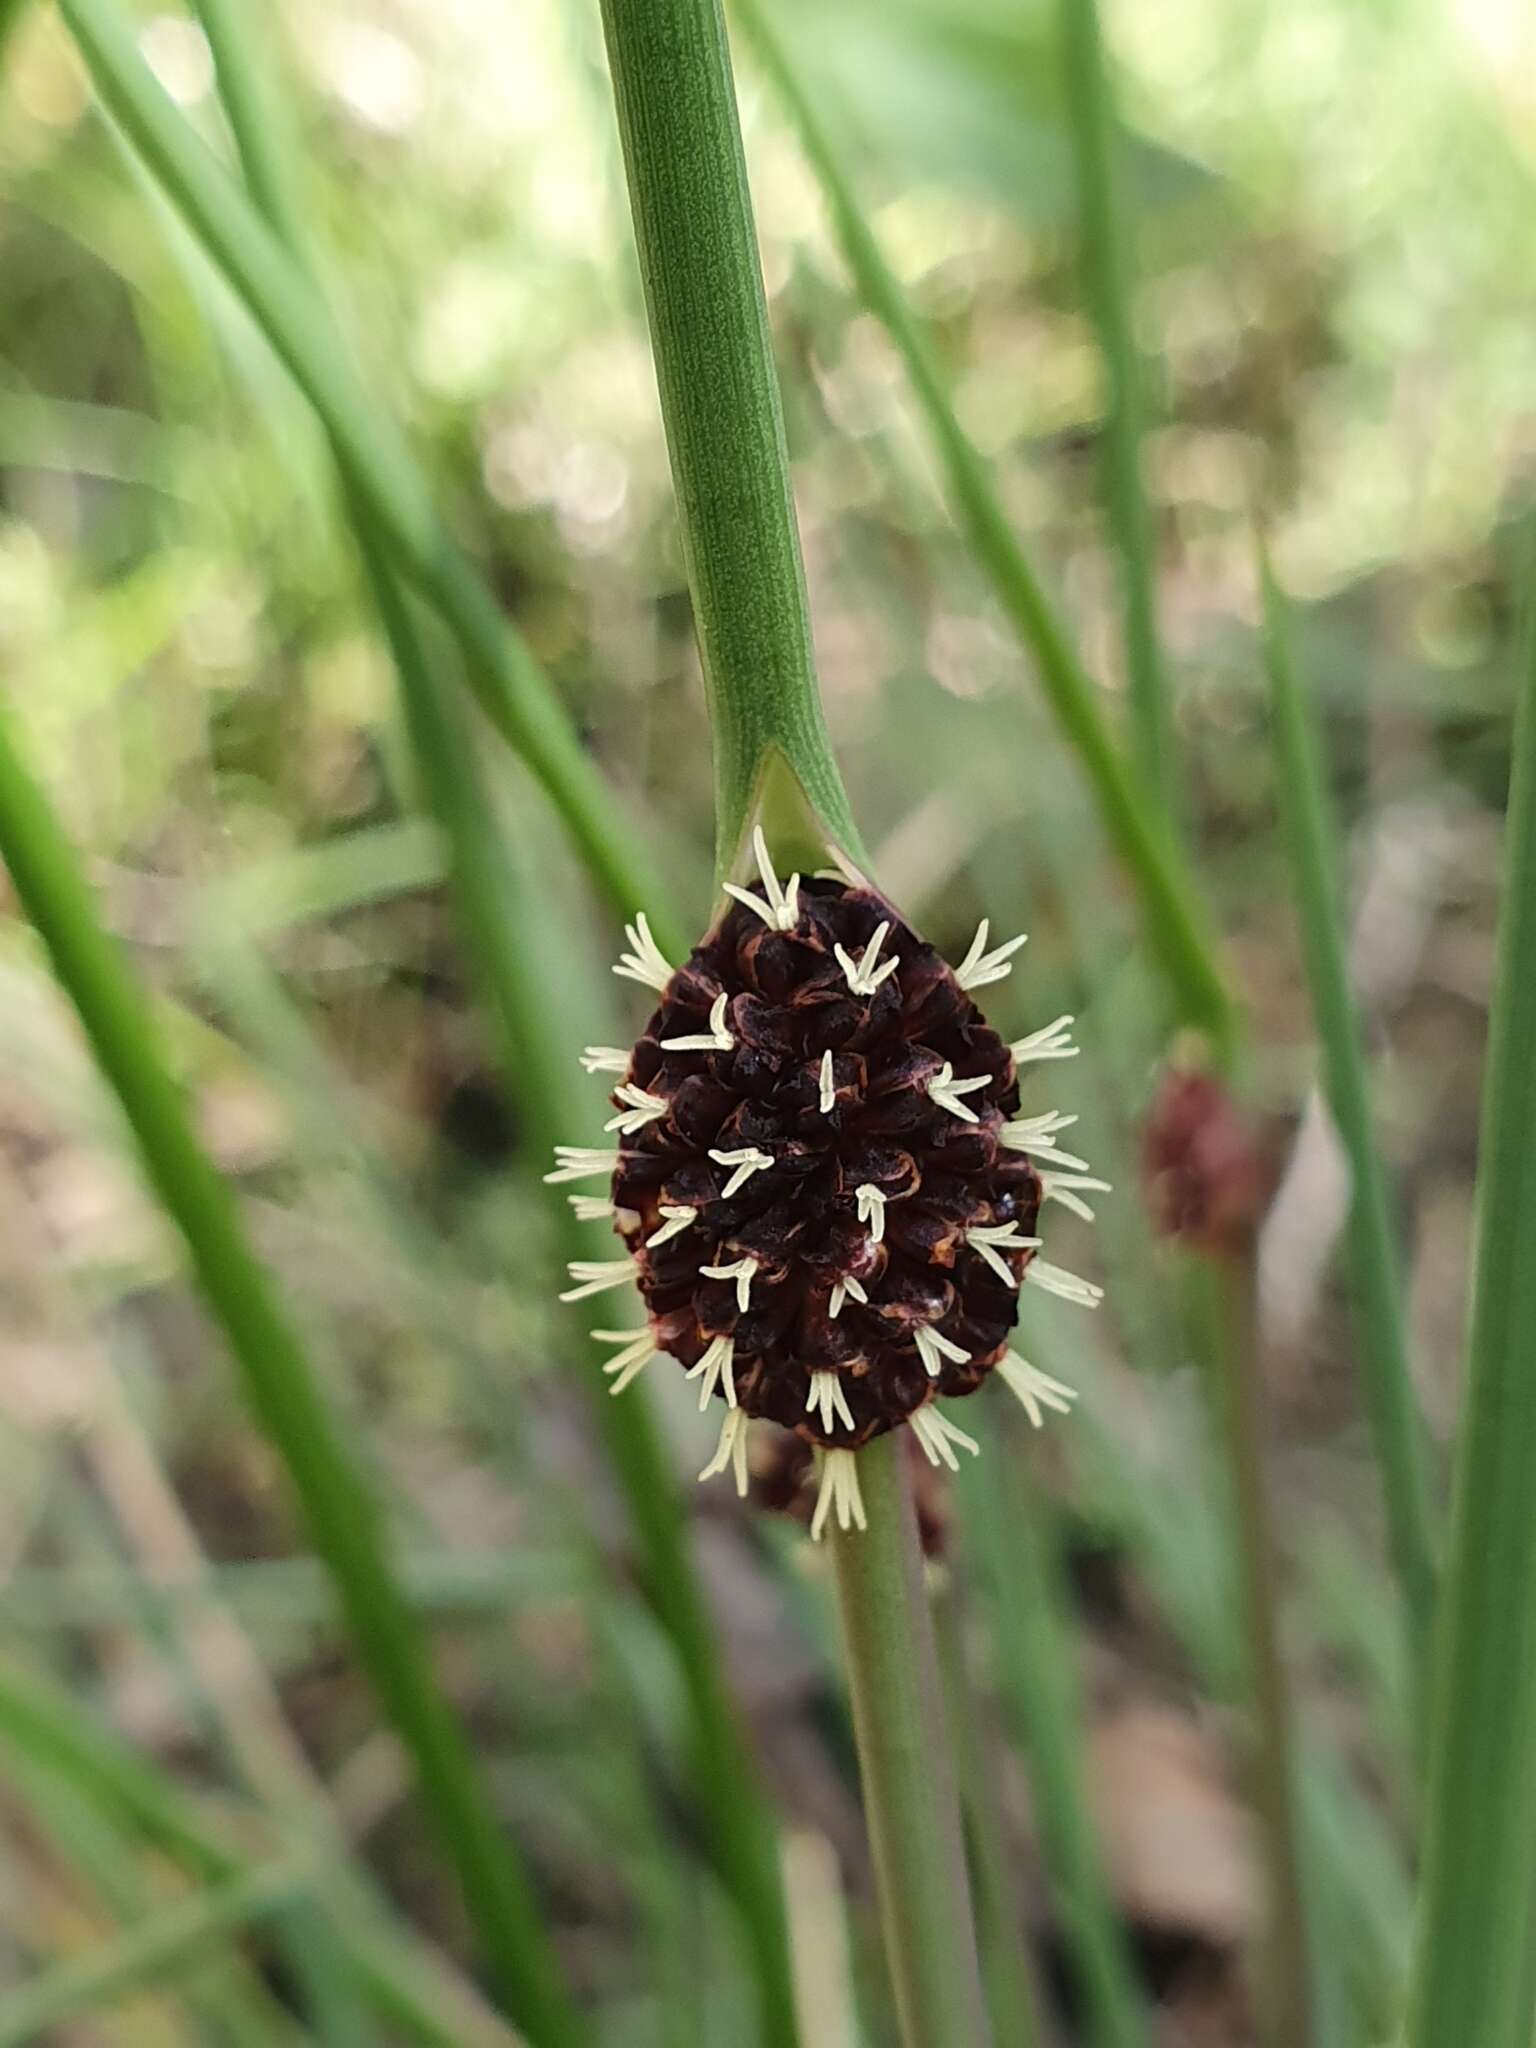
1202,1168
822,1177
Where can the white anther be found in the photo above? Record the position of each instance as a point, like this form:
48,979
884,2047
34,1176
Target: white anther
827,1399
715,1366
678,1216
747,1160
828,1082
581,1162
715,1039
742,1271
781,912
644,962
1050,1042
933,1347
731,1450
641,1107
594,1276
849,1288
993,1239
946,1091
1067,1188
871,1207
979,967
938,1437
839,1491
590,1208
1057,1280
862,975
626,1365
1035,1389
604,1059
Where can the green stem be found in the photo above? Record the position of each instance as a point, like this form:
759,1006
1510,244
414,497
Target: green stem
720,403
1223,1298
285,1397
512,689
1109,275
1475,1967
910,1802
1375,1269
1176,921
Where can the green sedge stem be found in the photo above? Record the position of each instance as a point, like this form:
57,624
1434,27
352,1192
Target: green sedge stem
513,691
910,1800
720,403
1473,1978
1176,922
1375,1268
1109,274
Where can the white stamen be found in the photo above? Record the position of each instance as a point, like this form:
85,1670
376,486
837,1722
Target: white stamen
782,910
862,976
933,1347
1035,1389
590,1208
742,1271
747,1161
992,1239
1034,1135
871,1207
847,1287
1057,1280
581,1162
1050,1042
715,1039
828,1084
946,1091
979,967
716,1365
826,1398
641,1107
1064,1188
731,1450
644,962
604,1059
595,1275
628,1364
678,1219
839,1490
938,1437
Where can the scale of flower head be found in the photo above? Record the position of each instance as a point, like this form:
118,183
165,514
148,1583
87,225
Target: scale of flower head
828,1192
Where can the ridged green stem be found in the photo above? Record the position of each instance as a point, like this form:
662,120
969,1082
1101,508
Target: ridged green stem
1178,928
1374,1264
720,403
1109,274
910,1801
1474,1978
285,306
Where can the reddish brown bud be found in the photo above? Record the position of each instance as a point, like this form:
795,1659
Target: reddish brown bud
1202,1169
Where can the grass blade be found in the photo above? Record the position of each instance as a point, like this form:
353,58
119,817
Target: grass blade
284,1395
1374,1265
1108,273
1176,922
513,690
1474,1978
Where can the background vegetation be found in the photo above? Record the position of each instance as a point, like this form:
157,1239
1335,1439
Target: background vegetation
213,1835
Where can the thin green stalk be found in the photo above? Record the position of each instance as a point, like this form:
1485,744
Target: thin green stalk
1017,1569
1474,1976
1109,274
146,1952
1222,1298
909,1793
720,403
285,1397
512,689
1176,921
1375,1268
